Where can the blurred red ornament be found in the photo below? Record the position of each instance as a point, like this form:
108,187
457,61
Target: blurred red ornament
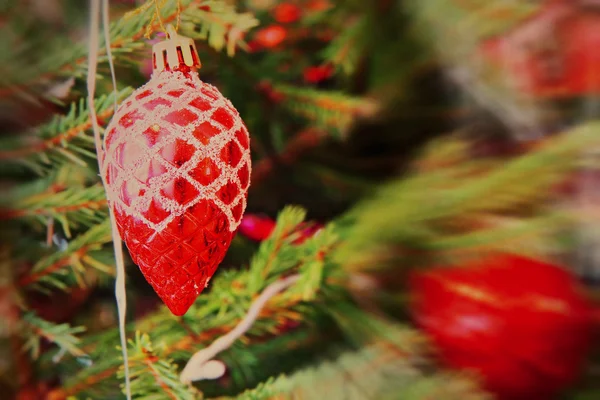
318,73
256,227
271,36
317,5
552,54
523,324
177,170
287,13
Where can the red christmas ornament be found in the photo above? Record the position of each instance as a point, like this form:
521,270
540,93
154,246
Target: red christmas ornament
269,37
256,227
287,13
318,73
524,325
177,170
552,54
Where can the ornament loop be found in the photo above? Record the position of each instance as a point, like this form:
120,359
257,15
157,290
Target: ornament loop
173,52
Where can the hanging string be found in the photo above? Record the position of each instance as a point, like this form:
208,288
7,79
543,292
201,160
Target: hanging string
91,75
201,365
91,87
106,27
178,16
157,15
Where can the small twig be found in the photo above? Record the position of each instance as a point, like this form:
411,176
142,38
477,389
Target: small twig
202,366
49,231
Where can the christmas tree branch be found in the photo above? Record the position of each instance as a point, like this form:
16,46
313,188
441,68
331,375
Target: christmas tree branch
220,310
377,371
332,110
125,36
197,368
59,135
72,207
180,347
413,211
35,329
152,376
219,24
76,255
57,209
347,48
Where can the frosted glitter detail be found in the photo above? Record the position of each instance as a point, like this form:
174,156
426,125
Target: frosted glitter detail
156,125
177,171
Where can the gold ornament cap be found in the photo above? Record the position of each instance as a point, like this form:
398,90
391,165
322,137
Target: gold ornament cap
176,50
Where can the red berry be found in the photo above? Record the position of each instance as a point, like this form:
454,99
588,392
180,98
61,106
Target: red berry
523,324
256,227
307,232
287,13
271,36
273,95
318,73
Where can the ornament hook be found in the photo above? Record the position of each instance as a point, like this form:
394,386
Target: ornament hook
171,32
174,52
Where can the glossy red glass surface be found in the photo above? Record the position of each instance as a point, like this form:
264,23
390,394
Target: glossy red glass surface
525,326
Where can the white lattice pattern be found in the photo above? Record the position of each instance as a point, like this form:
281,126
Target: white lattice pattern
173,143
177,170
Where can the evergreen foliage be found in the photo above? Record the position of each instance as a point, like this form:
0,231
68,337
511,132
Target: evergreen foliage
314,340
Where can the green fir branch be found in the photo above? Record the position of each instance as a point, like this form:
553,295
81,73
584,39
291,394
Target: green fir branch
75,260
219,24
278,250
330,110
408,213
272,389
35,330
152,376
66,139
348,47
219,310
377,371
526,178
73,207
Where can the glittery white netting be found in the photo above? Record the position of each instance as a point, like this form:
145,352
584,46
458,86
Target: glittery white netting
166,119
